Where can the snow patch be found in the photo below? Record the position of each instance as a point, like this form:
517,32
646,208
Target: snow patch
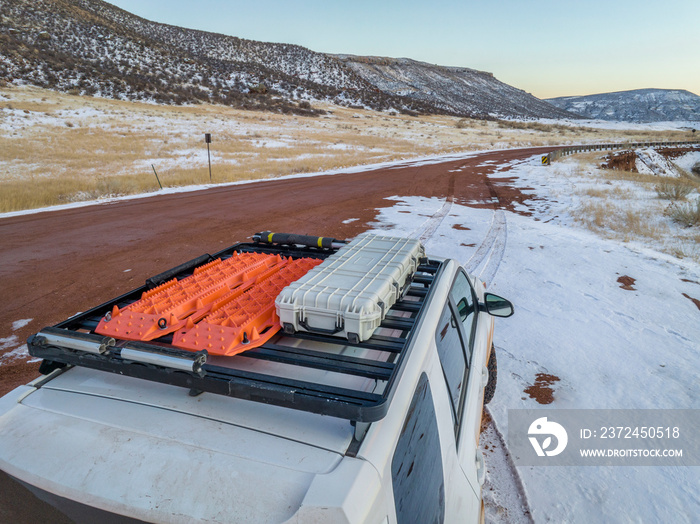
688,161
19,324
11,348
8,342
656,163
20,352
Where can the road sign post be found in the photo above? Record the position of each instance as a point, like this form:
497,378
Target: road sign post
207,139
158,179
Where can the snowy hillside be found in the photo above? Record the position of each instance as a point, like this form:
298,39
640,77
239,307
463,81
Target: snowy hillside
458,89
91,47
284,58
641,105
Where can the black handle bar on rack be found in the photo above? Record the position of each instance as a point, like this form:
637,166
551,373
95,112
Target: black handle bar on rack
268,237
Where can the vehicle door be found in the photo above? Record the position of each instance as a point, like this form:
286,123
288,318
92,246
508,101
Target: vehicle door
452,341
472,327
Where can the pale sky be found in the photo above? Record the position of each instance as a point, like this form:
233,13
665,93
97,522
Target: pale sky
546,47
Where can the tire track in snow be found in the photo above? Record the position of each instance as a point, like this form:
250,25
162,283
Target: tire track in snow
489,254
485,261
498,248
428,228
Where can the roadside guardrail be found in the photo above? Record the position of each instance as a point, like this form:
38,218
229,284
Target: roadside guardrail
565,151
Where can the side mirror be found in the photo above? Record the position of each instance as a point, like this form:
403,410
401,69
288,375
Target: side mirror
497,306
464,309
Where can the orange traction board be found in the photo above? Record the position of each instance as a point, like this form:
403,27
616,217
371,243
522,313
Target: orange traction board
179,304
244,320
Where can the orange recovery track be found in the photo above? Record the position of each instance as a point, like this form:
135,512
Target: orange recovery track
174,304
244,319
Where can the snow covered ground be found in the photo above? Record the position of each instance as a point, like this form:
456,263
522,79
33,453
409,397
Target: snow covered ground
688,161
612,342
619,125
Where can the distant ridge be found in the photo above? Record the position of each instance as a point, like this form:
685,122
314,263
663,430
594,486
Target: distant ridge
94,48
457,89
640,105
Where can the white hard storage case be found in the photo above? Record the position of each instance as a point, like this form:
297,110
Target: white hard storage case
349,294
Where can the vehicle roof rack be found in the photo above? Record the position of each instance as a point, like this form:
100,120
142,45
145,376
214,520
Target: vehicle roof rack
379,359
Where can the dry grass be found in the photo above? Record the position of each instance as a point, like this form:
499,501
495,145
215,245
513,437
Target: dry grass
607,217
57,148
674,190
626,206
631,176
687,215
544,128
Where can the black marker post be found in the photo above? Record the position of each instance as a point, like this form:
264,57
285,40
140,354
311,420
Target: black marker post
207,139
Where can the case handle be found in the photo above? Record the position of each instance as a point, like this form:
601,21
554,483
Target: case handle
322,331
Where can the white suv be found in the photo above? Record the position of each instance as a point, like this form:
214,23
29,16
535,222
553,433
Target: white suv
307,428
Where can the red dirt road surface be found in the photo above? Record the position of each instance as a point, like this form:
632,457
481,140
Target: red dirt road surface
55,264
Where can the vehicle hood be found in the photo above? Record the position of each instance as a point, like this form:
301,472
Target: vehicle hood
154,453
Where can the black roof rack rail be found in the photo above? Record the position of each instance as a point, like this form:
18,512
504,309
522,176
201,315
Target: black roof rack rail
321,360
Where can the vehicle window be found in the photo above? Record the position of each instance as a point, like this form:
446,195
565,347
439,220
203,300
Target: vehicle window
452,358
463,297
416,466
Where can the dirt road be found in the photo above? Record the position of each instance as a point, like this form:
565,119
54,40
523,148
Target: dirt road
55,264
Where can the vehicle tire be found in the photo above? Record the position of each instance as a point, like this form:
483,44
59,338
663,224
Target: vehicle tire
492,366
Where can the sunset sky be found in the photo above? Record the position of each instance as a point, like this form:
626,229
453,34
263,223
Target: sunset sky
548,48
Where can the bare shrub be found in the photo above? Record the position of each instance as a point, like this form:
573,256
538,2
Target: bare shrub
673,190
687,215
534,126
597,192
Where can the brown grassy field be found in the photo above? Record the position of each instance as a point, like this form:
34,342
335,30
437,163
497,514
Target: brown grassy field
634,207
57,148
